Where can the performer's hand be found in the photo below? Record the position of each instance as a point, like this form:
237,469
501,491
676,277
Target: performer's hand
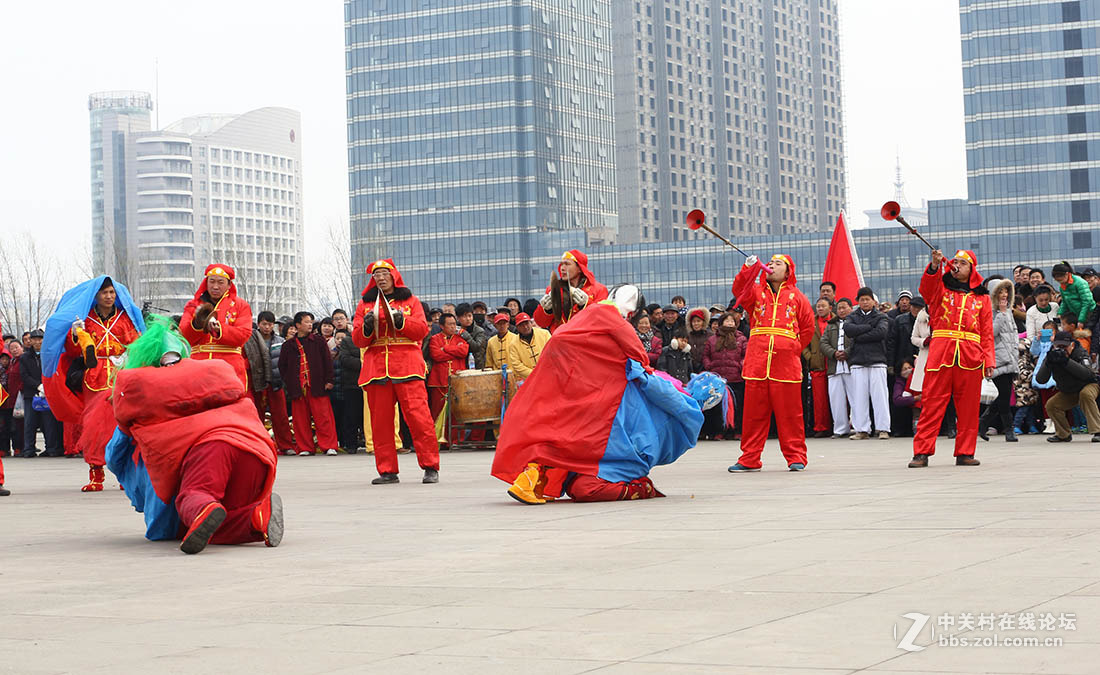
77,327
937,259
398,319
328,386
751,261
547,303
989,372
213,327
368,323
580,298
927,340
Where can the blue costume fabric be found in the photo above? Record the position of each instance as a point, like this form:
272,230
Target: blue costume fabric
161,520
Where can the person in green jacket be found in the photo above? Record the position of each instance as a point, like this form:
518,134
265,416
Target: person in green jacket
1076,296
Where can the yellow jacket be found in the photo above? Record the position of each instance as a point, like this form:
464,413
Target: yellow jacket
522,356
496,353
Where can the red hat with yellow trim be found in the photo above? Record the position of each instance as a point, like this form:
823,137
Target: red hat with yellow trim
383,264
582,261
789,262
220,270
970,257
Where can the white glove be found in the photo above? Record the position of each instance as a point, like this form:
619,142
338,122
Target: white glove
77,325
675,344
212,326
579,297
547,303
751,261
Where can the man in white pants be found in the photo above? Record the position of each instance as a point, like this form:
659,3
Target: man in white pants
867,329
833,346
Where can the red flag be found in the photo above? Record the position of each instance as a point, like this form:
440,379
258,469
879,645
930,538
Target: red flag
842,264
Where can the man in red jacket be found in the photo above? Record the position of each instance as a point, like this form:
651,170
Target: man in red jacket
960,355
782,326
305,364
448,351
216,322
584,291
390,325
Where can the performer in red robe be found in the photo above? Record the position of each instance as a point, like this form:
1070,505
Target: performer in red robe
93,323
782,326
584,291
592,420
390,324
198,439
3,398
961,354
449,353
217,322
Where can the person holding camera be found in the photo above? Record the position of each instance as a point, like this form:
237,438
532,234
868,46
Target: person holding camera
1068,363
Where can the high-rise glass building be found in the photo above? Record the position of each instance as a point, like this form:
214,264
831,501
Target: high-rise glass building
732,107
207,188
477,132
1031,82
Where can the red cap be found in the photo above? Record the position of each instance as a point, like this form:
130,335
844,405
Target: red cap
521,317
501,317
219,270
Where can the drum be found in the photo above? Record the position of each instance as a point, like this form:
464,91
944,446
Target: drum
475,395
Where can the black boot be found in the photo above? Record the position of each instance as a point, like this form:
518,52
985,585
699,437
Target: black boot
386,479
4,492
919,461
1010,435
431,476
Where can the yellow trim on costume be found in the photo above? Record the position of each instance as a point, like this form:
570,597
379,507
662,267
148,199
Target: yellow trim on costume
382,342
380,264
215,349
568,255
218,272
767,330
957,335
965,256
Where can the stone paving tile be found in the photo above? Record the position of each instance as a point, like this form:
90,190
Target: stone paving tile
770,573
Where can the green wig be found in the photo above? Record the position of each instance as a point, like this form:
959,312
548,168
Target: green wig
161,337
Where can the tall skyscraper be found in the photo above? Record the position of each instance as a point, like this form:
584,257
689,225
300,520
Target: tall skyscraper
729,106
1031,92
115,116
479,136
207,188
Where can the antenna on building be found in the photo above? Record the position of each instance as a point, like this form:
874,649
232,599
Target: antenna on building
899,184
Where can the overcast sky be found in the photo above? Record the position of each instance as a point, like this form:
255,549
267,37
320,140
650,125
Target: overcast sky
901,63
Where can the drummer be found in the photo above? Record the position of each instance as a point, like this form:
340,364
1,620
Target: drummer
496,353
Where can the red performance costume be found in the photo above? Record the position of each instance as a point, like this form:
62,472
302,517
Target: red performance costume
233,317
393,369
449,353
592,289
782,326
198,436
960,315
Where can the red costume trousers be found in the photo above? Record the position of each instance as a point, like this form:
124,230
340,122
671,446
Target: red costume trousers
274,401
319,409
762,397
591,489
414,406
823,419
1,471
939,387
219,472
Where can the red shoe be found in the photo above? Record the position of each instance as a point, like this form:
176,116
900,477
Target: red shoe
267,519
205,524
95,480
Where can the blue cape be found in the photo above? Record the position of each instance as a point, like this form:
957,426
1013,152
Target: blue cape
161,519
74,306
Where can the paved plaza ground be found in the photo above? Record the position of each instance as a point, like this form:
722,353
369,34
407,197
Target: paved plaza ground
756,574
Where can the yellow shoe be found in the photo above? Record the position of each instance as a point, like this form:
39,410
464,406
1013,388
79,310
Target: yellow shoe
523,489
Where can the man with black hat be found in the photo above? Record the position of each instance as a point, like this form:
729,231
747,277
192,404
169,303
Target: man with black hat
670,321
30,374
902,305
1068,363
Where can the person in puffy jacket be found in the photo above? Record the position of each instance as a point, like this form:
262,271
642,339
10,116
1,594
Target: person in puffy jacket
1006,345
867,329
1077,298
676,358
724,355
698,334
